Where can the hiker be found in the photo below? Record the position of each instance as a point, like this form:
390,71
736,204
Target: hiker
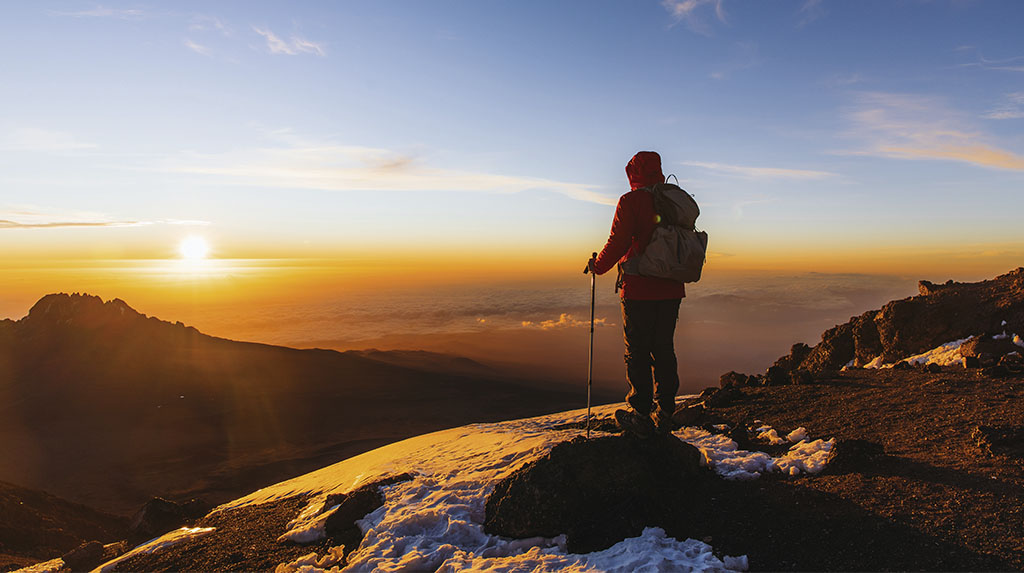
650,306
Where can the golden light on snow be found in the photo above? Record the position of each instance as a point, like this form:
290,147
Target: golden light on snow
194,248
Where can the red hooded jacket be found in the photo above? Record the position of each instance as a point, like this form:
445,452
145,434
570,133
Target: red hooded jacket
632,229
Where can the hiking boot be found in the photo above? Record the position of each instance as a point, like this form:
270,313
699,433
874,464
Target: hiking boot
635,424
663,423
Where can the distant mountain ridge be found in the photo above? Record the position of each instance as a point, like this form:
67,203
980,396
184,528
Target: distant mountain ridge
103,405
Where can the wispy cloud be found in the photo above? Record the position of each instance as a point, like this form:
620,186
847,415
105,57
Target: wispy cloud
751,172
197,48
809,12
205,23
1013,64
102,12
692,13
29,218
6,224
1012,107
292,47
41,140
297,164
915,127
844,80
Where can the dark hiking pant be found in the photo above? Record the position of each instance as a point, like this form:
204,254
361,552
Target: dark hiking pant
649,326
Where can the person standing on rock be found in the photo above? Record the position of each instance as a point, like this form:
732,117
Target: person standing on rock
650,306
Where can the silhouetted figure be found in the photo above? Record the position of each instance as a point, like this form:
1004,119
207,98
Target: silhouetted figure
650,306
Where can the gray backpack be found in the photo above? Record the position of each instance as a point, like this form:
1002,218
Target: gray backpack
677,250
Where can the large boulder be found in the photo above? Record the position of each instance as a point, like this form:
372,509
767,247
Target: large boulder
157,516
341,525
992,345
85,557
597,492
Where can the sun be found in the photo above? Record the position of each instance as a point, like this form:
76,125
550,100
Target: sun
194,248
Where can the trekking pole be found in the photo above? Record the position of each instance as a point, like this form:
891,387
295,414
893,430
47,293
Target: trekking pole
590,358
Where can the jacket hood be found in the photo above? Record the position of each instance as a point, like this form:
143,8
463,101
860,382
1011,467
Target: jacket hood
644,170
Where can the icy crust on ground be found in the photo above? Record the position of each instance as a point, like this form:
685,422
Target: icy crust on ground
947,354
652,551
434,521
723,455
51,566
310,525
158,544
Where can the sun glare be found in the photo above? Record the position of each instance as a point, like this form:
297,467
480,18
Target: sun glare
194,248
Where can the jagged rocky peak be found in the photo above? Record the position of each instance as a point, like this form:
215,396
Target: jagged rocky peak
940,314
63,308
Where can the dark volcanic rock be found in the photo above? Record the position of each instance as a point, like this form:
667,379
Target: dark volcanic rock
1012,362
940,314
723,397
852,455
732,379
836,349
796,355
688,415
353,506
995,371
597,492
986,344
801,376
1000,440
85,557
155,518
776,376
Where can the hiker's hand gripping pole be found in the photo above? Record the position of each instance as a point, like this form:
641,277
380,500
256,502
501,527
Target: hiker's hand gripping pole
590,359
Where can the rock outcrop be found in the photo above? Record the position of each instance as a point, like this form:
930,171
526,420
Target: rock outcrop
939,314
597,492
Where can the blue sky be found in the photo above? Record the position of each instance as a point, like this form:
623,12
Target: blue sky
804,128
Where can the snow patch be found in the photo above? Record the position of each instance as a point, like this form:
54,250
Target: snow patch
797,435
310,526
947,354
768,434
51,566
875,363
805,457
724,456
157,544
330,562
652,551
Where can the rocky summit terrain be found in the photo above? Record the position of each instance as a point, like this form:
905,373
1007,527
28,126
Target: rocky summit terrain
926,474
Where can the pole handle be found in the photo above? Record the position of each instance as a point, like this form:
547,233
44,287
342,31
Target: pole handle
586,269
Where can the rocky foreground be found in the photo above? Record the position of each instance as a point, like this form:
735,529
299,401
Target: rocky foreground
927,474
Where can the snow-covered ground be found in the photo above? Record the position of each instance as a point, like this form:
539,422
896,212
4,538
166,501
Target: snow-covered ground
434,521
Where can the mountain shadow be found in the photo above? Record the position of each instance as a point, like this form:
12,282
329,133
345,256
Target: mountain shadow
102,405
